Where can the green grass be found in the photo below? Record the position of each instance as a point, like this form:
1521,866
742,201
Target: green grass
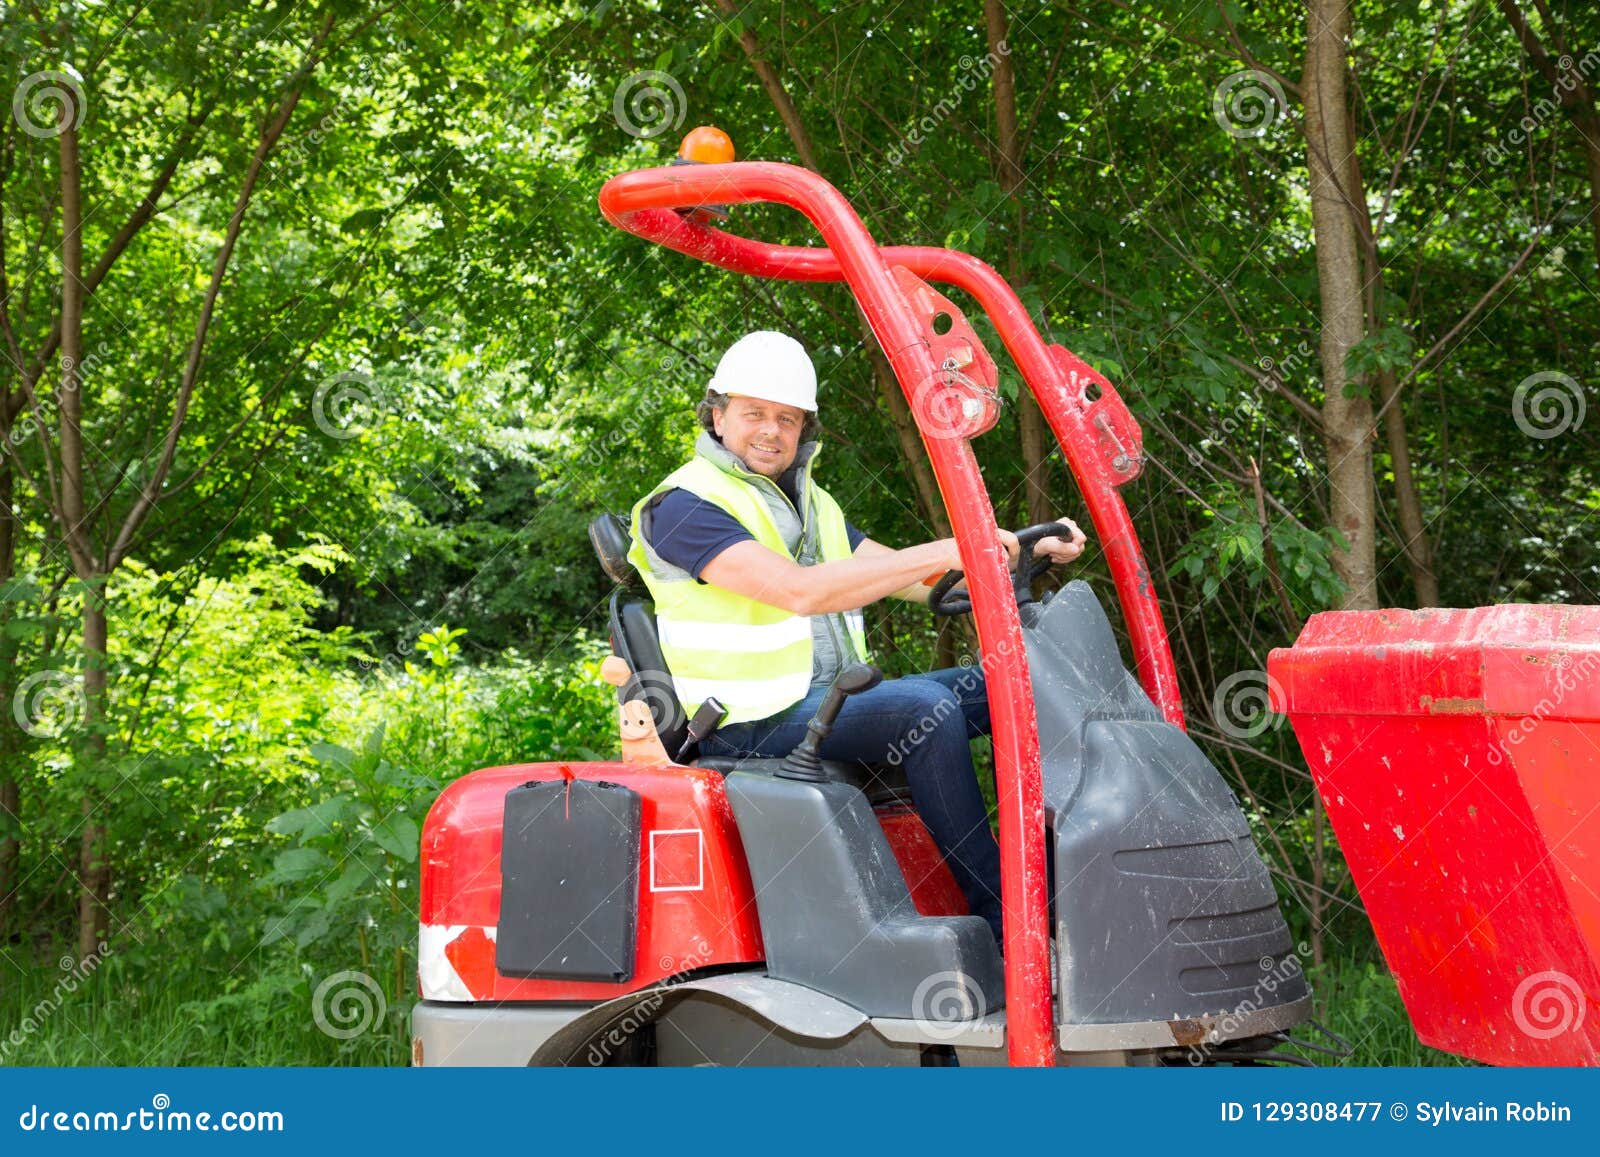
183,1016
189,1015
1361,1003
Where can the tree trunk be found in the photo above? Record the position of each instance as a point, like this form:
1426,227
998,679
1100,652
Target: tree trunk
911,448
773,84
10,847
94,896
94,875
1589,133
1031,438
1417,547
1347,421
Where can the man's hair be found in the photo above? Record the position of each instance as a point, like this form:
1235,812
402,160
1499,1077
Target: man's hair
714,403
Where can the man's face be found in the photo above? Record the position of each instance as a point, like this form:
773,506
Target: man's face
766,435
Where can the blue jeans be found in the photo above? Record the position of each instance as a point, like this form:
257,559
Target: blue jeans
921,723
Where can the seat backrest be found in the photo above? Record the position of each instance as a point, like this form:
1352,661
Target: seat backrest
633,636
633,633
610,537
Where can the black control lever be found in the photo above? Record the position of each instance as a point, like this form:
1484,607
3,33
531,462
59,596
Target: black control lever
804,762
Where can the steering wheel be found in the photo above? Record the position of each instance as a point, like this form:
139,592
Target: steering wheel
943,600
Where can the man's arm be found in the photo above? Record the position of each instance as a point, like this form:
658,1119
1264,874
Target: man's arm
918,591
1059,550
752,570
874,572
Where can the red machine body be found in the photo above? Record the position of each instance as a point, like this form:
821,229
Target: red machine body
1458,755
696,905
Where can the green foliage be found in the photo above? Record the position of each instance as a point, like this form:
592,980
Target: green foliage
1389,349
1230,543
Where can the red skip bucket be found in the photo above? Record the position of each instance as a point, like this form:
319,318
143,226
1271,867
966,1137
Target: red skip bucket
1458,755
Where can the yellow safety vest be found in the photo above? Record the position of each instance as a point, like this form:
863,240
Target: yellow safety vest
755,658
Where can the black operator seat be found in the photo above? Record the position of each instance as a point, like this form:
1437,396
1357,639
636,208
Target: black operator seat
633,631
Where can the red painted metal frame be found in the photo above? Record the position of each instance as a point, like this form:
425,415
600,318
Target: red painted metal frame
643,203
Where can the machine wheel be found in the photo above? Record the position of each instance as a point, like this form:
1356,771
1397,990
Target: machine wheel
636,1051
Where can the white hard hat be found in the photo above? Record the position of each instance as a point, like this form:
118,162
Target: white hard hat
768,365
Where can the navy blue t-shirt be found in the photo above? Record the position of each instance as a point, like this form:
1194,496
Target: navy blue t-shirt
689,532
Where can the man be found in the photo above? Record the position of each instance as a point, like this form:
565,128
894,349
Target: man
758,582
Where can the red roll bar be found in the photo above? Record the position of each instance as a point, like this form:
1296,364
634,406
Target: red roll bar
1100,439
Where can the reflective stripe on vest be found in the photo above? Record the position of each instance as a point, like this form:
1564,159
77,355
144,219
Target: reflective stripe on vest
753,657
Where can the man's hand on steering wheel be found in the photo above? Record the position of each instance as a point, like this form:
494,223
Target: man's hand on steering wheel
1045,549
1060,550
